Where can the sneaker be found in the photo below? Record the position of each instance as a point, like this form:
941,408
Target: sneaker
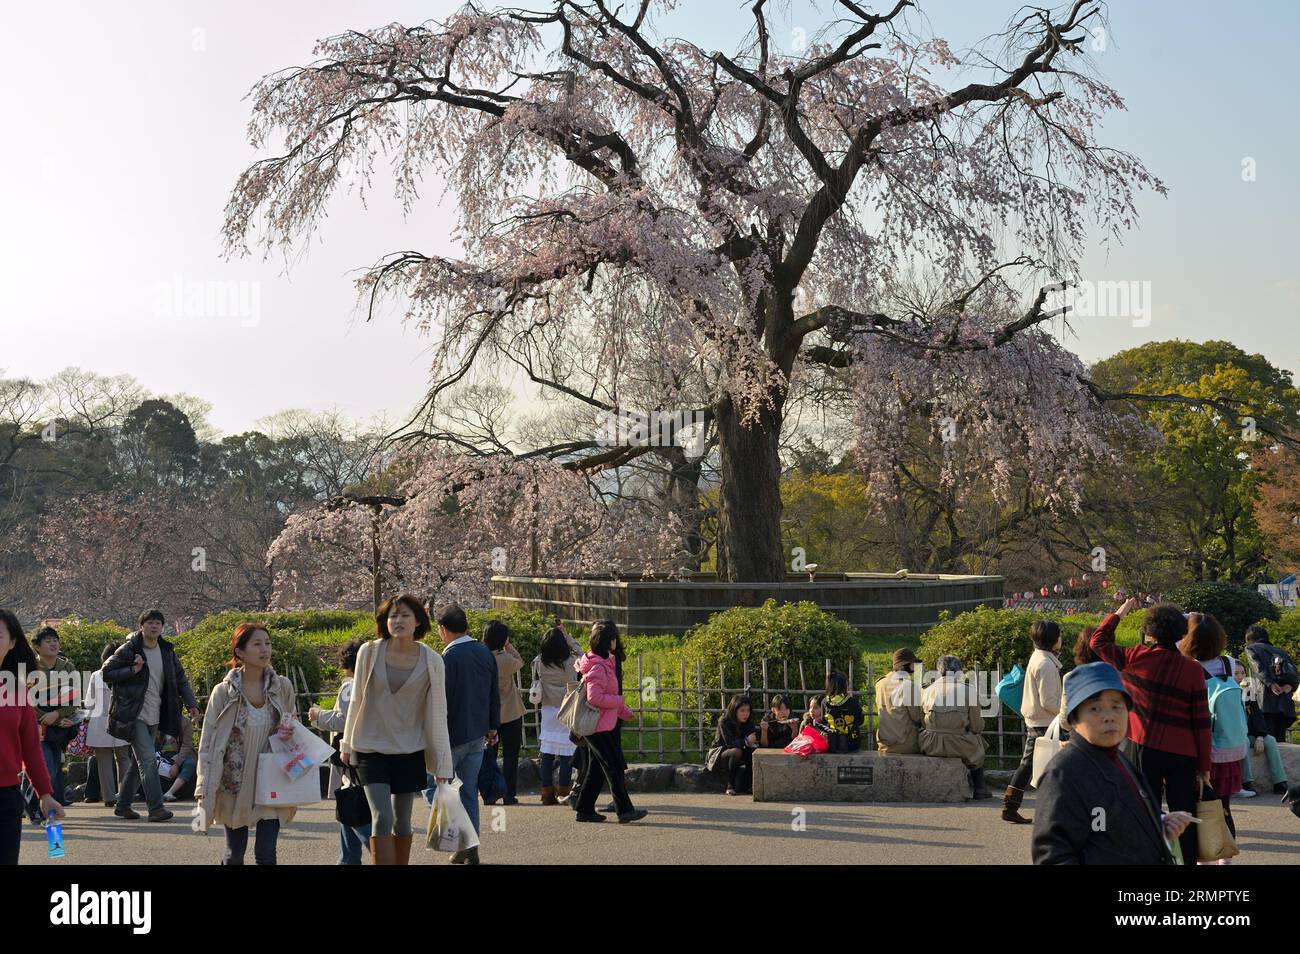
109,803
1245,793
126,813
588,817
161,815
732,791
634,815
610,809
1249,787
509,800
169,797
1280,788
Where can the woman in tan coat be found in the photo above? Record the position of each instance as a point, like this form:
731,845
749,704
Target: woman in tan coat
244,710
898,707
496,636
954,725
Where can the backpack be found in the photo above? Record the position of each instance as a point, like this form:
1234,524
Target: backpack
1011,688
1227,710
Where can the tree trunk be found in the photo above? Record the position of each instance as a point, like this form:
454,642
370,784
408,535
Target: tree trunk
750,549
682,498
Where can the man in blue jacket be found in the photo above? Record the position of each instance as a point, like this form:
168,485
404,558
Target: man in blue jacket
473,708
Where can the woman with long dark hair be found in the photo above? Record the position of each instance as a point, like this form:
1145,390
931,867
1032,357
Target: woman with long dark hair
553,668
604,691
20,741
734,745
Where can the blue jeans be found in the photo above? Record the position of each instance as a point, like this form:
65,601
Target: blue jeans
268,832
546,769
54,765
351,843
144,762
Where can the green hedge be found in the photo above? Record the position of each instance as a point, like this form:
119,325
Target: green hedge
795,632
83,642
1235,607
990,638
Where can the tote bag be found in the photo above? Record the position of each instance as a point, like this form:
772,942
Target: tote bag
1046,748
577,714
1214,841
1011,688
279,790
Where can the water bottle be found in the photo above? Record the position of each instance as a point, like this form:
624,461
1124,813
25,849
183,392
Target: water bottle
54,832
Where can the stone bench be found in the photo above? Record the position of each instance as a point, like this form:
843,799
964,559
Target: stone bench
858,777
1290,761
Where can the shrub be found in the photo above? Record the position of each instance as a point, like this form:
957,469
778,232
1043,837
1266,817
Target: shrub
989,638
796,632
1236,607
526,632
204,651
83,642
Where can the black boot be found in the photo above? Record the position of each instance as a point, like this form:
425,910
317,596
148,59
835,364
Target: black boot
1011,800
978,790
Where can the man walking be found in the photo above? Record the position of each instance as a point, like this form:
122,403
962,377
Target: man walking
148,687
473,708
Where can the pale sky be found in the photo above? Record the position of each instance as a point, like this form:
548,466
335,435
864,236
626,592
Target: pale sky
126,133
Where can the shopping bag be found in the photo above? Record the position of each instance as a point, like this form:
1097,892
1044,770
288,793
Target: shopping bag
304,751
808,742
277,789
1214,841
1046,748
449,825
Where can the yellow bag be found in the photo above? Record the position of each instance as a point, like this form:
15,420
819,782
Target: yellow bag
1214,841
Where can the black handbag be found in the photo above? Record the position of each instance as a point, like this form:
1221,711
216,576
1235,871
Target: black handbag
350,805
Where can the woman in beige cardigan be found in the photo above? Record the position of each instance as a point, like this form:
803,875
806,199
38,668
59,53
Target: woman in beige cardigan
244,710
396,728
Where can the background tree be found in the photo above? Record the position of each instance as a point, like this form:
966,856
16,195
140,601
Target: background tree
752,208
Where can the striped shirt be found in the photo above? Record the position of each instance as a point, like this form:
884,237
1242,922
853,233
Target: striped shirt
1171,711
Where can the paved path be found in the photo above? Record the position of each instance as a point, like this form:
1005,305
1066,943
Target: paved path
682,829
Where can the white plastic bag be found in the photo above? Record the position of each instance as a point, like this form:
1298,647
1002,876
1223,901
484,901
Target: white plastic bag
1045,749
449,826
278,789
304,751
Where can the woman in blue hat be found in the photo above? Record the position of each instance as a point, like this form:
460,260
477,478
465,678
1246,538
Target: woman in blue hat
1094,807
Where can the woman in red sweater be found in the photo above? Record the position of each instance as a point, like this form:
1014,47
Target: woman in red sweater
20,740
1169,723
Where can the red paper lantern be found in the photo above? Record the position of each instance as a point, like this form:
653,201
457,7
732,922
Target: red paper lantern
1057,588
1043,591
1073,582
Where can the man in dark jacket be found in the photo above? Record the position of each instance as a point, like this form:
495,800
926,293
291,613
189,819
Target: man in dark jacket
148,686
473,707
1276,673
1094,807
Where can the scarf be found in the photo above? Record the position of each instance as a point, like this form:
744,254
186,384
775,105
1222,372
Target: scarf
232,768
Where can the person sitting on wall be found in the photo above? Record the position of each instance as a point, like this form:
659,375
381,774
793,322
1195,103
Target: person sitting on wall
778,726
843,714
954,725
898,707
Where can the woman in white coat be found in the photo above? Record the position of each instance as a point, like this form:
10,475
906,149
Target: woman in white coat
110,752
